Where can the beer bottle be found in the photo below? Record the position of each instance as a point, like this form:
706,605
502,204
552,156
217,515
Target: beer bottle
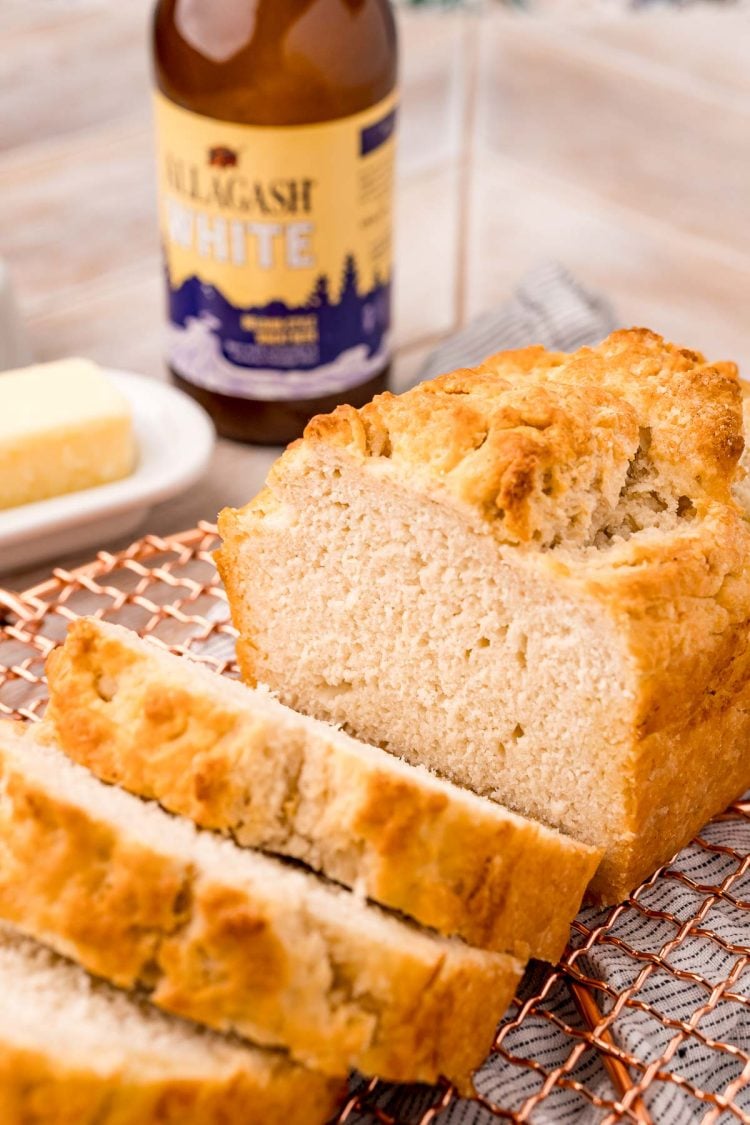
275,124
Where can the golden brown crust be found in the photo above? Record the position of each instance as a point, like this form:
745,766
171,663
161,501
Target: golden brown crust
683,607
540,446
681,777
692,407
214,949
36,1087
160,730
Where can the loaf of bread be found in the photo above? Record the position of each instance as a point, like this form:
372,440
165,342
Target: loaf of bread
75,1051
530,577
231,938
237,760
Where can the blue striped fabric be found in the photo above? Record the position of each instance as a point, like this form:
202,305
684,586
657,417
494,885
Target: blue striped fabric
549,307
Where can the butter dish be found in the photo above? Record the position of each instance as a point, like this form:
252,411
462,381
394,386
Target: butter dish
175,440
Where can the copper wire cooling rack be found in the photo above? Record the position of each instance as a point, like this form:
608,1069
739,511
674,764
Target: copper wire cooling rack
568,1049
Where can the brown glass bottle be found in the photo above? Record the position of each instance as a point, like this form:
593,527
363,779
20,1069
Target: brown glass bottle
279,66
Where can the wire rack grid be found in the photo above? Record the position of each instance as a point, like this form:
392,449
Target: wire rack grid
647,1016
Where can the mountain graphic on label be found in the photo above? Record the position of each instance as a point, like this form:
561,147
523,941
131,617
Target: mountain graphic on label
287,338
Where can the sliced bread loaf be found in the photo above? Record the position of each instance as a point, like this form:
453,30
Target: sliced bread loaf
75,1051
231,938
530,577
237,760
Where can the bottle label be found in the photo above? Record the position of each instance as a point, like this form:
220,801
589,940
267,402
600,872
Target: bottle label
277,249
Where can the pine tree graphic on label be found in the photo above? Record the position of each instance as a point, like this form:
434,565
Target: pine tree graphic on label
350,305
320,297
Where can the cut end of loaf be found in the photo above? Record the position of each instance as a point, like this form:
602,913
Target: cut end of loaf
406,642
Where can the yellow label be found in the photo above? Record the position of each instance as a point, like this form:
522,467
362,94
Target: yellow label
277,245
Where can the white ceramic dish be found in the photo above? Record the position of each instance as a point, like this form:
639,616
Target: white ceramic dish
175,440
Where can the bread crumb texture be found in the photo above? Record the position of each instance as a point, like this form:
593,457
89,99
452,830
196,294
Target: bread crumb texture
531,577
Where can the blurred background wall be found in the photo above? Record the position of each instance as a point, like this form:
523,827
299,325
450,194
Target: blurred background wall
614,137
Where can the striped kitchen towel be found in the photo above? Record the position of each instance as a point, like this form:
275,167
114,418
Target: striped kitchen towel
549,307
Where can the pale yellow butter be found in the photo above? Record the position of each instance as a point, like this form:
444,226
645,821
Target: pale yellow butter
63,427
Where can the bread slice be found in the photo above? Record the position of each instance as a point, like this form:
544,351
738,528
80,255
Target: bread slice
231,938
236,760
529,577
75,1051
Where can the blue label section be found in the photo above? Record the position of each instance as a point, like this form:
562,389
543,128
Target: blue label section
373,136
280,337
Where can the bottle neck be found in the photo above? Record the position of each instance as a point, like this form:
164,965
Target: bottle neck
275,62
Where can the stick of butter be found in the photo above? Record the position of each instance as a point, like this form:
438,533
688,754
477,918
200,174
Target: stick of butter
63,427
